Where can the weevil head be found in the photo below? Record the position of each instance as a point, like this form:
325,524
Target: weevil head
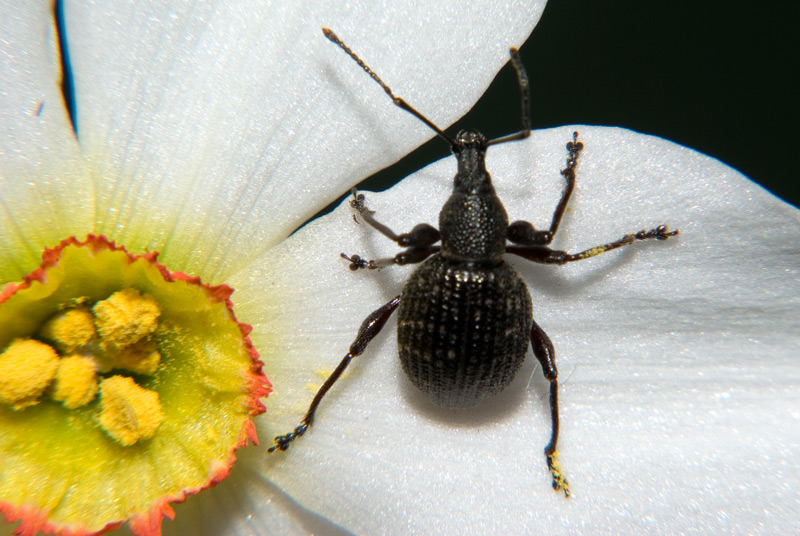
472,139
470,150
473,221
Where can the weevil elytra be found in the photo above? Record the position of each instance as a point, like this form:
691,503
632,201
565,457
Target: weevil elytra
465,315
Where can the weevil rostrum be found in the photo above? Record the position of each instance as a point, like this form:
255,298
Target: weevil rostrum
464,314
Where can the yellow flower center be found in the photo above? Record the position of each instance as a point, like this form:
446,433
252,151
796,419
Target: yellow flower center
114,334
123,387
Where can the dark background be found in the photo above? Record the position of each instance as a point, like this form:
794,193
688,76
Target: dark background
711,75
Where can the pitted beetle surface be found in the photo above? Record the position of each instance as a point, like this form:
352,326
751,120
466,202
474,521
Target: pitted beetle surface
465,315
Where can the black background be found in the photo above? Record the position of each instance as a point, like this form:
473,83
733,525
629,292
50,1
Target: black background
718,77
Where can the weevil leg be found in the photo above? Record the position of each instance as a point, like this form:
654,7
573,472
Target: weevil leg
545,353
371,326
408,256
523,232
552,256
419,240
422,235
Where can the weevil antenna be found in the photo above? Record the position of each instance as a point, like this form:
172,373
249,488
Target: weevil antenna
522,78
395,99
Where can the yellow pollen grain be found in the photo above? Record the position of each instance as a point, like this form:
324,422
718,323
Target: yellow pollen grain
129,412
26,369
140,358
559,481
591,252
76,381
71,329
324,374
125,318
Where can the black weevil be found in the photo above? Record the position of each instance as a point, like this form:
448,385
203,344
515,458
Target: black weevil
465,315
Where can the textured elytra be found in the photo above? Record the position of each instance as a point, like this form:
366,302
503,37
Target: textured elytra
463,329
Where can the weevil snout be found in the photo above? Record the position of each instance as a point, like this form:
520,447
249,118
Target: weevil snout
471,139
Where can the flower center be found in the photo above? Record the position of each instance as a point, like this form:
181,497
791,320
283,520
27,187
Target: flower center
123,387
77,349
86,333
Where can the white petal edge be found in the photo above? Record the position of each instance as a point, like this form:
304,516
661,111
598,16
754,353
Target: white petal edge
45,192
227,125
679,398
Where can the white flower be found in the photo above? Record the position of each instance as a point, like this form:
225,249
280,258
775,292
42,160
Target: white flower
209,133
677,360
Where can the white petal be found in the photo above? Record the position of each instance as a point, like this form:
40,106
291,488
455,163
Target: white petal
246,504
679,384
227,125
46,192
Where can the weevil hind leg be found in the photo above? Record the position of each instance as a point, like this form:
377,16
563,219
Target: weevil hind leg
371,326
546,355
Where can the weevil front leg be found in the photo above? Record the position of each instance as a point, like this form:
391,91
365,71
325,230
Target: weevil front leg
371,326
530,243
419,240
546,355
523,232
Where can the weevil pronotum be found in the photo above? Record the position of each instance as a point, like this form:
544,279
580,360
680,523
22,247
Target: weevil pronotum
465,315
